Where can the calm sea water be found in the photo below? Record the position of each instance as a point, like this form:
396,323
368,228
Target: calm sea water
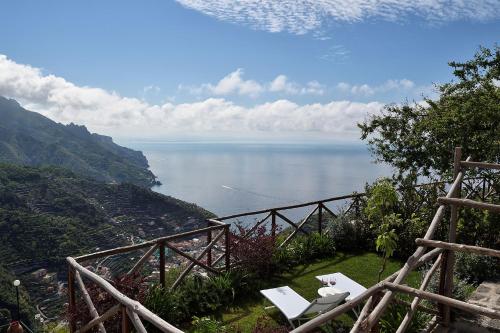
228,178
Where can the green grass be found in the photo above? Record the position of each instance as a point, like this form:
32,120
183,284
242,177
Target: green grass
363,268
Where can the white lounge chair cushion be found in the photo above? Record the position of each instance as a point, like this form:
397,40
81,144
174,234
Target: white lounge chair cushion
287,300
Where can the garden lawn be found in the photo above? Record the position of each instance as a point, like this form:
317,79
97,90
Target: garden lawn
362,268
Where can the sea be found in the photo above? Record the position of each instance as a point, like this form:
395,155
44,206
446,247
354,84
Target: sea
230,178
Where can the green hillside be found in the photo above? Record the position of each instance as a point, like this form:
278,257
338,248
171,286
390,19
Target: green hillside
28,138
49,213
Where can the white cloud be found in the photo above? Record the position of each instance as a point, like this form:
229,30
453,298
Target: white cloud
302,16
367,90
108,112
233,83
230,84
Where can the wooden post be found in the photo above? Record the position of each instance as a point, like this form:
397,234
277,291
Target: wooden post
72,299
228,247
483,196
446,276
125,326
320,218
209,253
162,265
273,224
356,206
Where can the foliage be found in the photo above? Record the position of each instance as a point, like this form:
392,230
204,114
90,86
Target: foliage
393,316
8,301
418,139
29,138
196,296
303,249
207,325
476,269
130,285
479,227
265,325
380,206
255,250
461,288
350,232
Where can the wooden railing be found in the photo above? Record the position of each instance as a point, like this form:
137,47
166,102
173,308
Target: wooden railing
379,297
218,241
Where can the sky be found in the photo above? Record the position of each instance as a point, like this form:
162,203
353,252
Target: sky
258,69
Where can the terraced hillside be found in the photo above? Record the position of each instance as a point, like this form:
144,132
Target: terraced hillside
49,213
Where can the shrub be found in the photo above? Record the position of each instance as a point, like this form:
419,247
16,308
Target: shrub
255,251
132,286
303,249
476,269
461,289
265,325
392,318
207,325
196,296
349,233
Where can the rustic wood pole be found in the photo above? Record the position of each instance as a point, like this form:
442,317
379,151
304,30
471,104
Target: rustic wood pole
483,197
162,263
72,299
320,218
125,326
446,274
228,247
209,253
273,224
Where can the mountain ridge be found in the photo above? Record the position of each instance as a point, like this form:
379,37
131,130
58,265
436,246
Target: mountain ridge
29,138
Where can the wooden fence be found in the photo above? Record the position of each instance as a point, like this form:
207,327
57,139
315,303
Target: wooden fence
218,242
379,297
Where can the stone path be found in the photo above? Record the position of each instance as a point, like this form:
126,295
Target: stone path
487,295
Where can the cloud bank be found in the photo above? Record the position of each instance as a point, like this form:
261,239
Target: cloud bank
303,16
234,83
109,113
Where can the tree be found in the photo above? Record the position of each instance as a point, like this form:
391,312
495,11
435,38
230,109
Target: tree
382,200
418,139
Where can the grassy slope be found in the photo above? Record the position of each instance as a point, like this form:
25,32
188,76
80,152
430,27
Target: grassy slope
362,268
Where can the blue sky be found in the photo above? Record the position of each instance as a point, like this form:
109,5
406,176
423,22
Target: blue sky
280,59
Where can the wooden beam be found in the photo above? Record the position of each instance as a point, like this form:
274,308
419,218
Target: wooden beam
152,242
459,247
125,326
343,197
249,232
482,165
190,258
136,321
72,298
287,220
408,266
161,245
446,276
298,227
227,233
475,309
330,211
146,314
470,204
192,264
209,253
143,259
415,303
86,297
106,315
349,305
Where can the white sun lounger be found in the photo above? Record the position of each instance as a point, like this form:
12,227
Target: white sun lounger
296,307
